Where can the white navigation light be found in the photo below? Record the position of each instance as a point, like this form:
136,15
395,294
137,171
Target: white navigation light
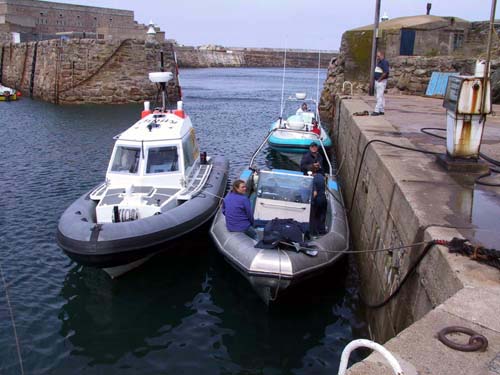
300,95
160,77
151,29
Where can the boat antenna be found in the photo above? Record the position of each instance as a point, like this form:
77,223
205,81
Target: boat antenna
177,76
283,85
317,85
161,78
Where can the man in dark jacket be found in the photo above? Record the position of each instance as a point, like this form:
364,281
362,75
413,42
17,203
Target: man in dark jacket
311,158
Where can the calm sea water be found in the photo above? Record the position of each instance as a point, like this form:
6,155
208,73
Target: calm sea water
184,312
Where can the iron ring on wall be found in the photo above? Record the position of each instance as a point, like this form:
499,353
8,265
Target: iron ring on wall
476,341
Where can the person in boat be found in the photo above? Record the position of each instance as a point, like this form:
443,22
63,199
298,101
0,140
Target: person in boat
303,108
237,210
319,203
312,158
315,129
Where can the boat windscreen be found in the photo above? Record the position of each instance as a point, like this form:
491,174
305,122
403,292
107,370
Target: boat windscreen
162,159
126,159
283,187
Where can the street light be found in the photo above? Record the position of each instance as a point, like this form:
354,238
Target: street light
374,47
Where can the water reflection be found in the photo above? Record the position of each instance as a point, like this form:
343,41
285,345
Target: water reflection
476,208
211,321
139,321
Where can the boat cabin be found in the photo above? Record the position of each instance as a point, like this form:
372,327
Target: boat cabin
160,149
154,166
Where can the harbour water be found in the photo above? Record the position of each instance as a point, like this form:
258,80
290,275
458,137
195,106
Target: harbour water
186,311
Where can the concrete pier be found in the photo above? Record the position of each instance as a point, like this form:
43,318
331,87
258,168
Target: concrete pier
405,197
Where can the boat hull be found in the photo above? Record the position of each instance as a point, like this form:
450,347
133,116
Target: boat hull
8,98
118,244
272,272
295,142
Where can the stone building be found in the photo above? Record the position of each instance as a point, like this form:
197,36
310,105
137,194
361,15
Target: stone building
41,20
415,47
424,35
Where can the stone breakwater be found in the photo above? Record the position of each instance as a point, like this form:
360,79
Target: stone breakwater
79,71
192,57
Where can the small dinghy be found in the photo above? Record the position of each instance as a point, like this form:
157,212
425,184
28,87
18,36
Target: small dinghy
283,196
295,133
158,187
7,94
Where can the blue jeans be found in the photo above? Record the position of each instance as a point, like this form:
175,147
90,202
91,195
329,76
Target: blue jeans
251,232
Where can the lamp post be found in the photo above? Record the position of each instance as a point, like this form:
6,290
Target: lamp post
488,57
374,47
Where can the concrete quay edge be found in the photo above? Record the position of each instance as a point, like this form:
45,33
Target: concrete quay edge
467,293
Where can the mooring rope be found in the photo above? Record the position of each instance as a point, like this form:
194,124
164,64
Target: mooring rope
9,306
272,299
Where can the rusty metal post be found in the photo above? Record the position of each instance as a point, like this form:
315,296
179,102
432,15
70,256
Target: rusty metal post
374,47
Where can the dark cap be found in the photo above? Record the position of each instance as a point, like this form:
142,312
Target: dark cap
314,144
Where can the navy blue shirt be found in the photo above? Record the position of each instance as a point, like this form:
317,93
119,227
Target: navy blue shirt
236,208
382,67
319,185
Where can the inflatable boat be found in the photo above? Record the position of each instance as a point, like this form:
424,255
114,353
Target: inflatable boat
286,196
7,94
158,187
299,129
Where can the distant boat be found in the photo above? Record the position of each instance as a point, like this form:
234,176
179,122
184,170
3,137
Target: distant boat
295,133
158,187
283,194
7,94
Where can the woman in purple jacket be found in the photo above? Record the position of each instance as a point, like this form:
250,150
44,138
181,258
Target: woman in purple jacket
237,210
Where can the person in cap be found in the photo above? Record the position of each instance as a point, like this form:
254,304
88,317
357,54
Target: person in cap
381,76
311,158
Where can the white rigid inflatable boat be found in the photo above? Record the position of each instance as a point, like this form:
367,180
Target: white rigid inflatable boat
158,187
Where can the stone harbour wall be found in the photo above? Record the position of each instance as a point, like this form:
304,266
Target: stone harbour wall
80,71
409,75
385,212
192,57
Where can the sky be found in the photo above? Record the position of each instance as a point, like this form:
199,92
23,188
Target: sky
309,24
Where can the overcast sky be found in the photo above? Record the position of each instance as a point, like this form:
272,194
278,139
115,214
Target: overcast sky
311,24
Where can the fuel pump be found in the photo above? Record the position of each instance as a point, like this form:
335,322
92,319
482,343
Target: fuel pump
466,116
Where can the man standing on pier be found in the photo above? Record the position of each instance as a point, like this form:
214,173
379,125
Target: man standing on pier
381,75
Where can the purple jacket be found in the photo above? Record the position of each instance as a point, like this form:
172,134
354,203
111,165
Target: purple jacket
236,208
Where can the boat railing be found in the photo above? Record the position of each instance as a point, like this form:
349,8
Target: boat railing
363,343
197,184
330,168
250,165
349,83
